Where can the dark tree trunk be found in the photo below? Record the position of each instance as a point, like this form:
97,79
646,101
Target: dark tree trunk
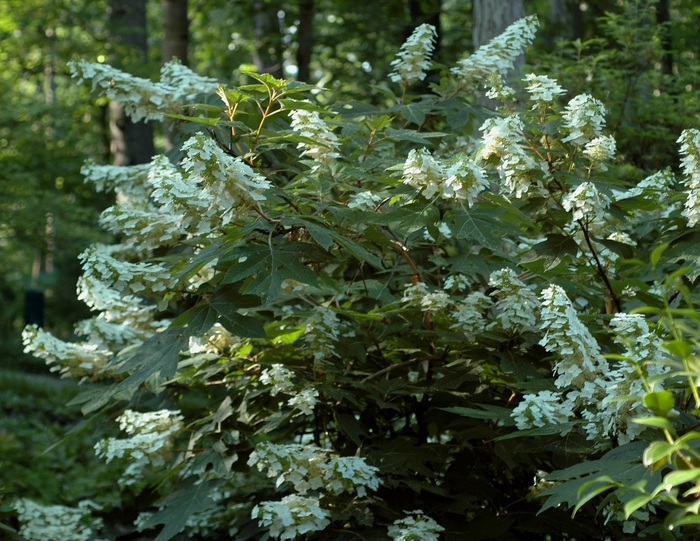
175,42
305,39
565,18
175,30
663,16
490,19
132,143
268,36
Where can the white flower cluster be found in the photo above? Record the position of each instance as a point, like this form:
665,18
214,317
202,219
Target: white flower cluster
503,139
116,307
600,150
419,295
125,277
325,143
544,408
364,201
307,468
658,183
565,335
497,56
606,397
129,182
305,401
152,434
109,335
517,304
70,359
469,315
690,150
584,118
462,179
543,91
142,98
498,90
413,58
323,329
279,376
586,202
54,522
312,468
417,526
292,516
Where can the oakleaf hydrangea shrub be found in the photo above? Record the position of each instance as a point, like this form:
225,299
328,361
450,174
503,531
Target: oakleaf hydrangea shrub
324,320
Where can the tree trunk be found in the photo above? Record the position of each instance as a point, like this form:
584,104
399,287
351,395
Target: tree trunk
565,18
663,16
268,36
175,42
490,19
132,143
305,39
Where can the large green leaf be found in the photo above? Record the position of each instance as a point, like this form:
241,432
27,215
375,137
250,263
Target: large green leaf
223,307
480,225
267,266
158,354
191,497
553,250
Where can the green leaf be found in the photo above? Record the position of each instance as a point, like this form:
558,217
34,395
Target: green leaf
409,218
660,402
268,266
489,412
636,502
478,225
553,250
655,422
676,478
212,122
357,250
191,497
226,302
685,249
10,533
411,135
158,354
657,451
548,430
583,500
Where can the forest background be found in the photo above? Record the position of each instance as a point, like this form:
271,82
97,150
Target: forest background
49,126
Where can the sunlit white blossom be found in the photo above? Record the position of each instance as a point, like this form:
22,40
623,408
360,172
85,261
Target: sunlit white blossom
58,522
419,295
538,410
457,282
279,376
503,140
323,330
517,304
543,90
498,55
690,150
584,119
364,201
304,401
309,124
498,90
70,359
601,149
142,98
469,314
150,444
417,526
658,183
586,202
579,354
414,57
292,516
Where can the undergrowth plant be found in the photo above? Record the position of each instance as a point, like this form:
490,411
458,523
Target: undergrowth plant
420,321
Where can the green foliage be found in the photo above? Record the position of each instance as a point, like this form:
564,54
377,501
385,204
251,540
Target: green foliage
411,307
